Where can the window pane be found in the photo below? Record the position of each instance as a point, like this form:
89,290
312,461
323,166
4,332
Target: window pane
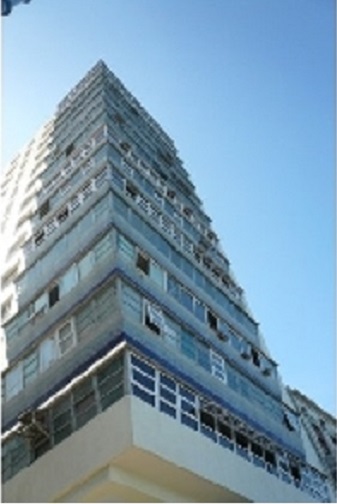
85,265
14,381
68,280
30,367
47,353
157,274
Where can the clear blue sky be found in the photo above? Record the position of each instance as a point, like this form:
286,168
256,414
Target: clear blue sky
246,88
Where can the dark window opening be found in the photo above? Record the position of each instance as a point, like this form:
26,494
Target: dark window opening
224,430
125,146
287,422
131,190
257,450
171,194
143,263
212,320
69,149
44,209
62,216
39,237
119,119
207,419
295,472
270,457
54,295
241,440
255,357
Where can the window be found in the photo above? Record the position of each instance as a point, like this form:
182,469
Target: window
255,357
257,450
171,332
44,209
63,215
61,419
47,354
218,366
39,237
85,265
69,149
143,263
241,440
103,247
153,318
188,344
203,355
66,338
14,381
40,304
84,318
157,273
212,320
270,457
68,280
105,302
110,382
186,299
54,295
84,402
199,310
30,367
132,303
126,248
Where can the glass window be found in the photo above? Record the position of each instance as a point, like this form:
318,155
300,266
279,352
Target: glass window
14,381
203,355
186,299
199,310
188,344
218,366
85,406
83,319
171,332
110,382
61,419
132,302
41,303
47,353
65,337
86,264
173,287
105,302
103,247
157,274
120,206
187,267
176,258
68,280
154,318
30,367
126,248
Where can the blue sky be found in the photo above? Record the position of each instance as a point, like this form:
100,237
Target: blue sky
246,88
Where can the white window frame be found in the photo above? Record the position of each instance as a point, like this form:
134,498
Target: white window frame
73,339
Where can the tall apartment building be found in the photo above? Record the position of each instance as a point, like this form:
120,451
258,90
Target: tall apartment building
135,369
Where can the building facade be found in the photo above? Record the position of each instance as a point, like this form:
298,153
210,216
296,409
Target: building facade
319,432
136,371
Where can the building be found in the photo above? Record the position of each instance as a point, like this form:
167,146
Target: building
135,369
7,5
318,434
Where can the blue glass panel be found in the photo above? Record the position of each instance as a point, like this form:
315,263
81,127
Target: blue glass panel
190,422
142,394
166,408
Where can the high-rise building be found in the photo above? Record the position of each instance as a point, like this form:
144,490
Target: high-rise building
135,369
